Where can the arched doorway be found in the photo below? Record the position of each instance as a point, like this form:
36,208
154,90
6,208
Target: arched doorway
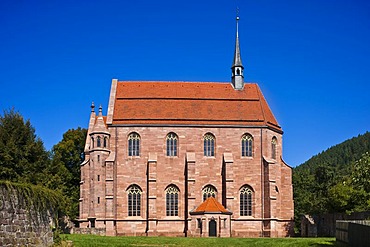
212,228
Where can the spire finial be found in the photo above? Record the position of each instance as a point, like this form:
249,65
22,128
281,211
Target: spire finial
237,67
237,20
100,110
92,107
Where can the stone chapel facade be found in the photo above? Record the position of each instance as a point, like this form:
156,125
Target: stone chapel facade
186,159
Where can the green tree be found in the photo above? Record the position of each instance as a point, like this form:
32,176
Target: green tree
360,179
341,197
23,157
361,172
67,157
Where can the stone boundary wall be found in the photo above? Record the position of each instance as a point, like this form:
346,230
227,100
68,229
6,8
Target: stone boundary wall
20,226
93,231
323,225
353,233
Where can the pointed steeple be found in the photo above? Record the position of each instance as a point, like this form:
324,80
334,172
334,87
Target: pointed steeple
237,68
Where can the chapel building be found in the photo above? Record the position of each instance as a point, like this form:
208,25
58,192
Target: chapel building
186,159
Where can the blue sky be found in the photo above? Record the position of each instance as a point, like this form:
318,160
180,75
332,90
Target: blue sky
311,59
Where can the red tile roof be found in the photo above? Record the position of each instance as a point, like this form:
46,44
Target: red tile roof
191,103
211,205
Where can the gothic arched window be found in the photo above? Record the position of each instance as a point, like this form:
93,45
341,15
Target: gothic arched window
273,147
134,200
134,144
98,141
209,191
209,145
247,145
172,201
105,143
246,201
171,144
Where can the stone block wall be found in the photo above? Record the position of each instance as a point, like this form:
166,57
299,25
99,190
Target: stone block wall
20,226
92,231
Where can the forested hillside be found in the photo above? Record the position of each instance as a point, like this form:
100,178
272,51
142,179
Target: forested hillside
341,155
336,180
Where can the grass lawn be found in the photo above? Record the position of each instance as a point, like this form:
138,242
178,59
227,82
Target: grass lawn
92,240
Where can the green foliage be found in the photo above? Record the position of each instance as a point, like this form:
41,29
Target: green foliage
337,180
361,172
23,159
33,197
67,157
93,240
22,155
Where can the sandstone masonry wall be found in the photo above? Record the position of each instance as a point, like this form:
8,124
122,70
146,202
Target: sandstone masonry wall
20,226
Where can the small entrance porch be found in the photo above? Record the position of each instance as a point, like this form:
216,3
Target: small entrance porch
210,219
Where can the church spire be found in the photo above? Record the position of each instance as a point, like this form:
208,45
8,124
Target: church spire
237,68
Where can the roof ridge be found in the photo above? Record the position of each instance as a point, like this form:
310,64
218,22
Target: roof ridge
179,81
219,205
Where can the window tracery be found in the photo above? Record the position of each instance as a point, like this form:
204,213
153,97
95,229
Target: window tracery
171,144
246,201
209,191
134,200
209,145
247,145
134,144
172,201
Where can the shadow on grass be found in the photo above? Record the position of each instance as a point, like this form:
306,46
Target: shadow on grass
330,243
